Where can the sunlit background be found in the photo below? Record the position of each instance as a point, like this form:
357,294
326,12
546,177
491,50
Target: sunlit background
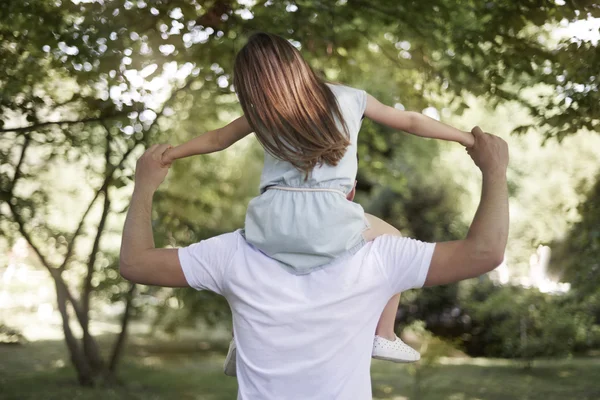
86,86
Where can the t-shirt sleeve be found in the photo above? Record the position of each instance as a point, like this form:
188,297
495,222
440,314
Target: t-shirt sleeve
361,100
204,264
405,261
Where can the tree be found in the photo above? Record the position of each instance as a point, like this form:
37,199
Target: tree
90,84
577,256
514,322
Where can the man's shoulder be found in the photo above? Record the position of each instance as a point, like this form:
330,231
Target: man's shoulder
399,246
390,239
227,242
387,240
232,243
230,239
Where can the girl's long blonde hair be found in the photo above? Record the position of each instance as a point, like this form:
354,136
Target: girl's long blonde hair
292,111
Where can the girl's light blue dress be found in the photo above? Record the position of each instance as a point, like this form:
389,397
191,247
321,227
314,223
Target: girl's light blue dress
305,229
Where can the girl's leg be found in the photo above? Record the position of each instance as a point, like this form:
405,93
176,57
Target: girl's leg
386,345
385,326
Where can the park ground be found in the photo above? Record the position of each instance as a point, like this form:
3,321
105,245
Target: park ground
155,369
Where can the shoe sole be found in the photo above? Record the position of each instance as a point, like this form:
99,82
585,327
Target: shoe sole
394,360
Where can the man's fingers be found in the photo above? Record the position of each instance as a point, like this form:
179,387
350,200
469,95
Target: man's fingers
476,130
155,153
159,149
147,153
158,152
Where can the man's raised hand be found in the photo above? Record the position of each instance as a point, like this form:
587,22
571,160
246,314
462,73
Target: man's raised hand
150,172
489,152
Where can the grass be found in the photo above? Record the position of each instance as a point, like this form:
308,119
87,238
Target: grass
192,370
575,379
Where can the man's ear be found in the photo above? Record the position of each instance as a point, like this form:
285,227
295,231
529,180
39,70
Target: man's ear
350,195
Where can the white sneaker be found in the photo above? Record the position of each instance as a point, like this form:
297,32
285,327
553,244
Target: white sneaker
395,351
229,367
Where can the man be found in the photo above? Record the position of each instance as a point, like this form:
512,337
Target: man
310,336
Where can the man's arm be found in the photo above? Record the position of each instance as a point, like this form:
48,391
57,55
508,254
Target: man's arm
140,262
483,248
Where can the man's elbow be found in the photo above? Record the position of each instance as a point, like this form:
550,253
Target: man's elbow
127,269
485,255
497,260
491,260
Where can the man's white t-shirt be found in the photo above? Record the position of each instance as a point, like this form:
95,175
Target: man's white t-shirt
305,336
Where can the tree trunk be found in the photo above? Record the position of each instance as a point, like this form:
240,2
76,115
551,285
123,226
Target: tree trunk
87,360
92,352
118,347
85,375
90,347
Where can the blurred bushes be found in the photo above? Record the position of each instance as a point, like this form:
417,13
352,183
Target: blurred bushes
515,322
10,335
490,320
577,256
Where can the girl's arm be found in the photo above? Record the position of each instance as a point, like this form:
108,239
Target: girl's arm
415,123
210,142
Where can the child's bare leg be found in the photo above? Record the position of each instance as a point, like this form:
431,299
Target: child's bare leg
385,326
378,227
386,345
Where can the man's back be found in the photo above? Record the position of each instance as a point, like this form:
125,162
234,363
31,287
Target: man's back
305,336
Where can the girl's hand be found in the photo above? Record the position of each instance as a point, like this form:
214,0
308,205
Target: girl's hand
469,139
166,159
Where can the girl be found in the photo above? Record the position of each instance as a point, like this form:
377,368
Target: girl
309,131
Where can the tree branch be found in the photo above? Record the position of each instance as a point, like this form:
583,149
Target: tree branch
17,174
110,170
68,122
83,368
87,282
54,272
118,346
20,222
71,244
26,236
